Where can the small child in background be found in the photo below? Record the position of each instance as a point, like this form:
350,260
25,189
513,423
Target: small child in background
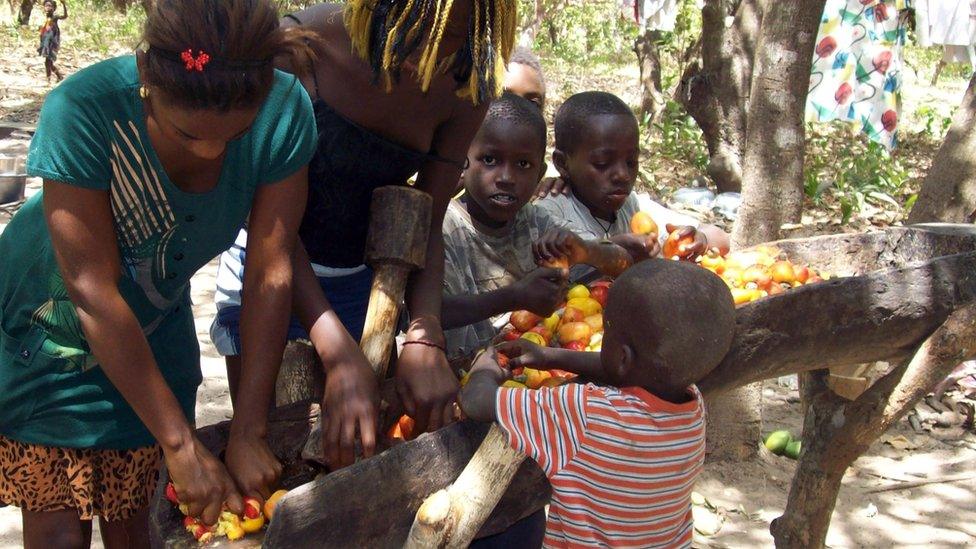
623,452
597,153
489,265
51,37
524,77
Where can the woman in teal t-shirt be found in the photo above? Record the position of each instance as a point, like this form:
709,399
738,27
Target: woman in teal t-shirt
151,164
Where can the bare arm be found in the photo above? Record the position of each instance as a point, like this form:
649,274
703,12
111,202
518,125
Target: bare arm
266,307
608,257
465,309
351,396
479,394
716,237
524,353
83,237
424,379
64,9
541,291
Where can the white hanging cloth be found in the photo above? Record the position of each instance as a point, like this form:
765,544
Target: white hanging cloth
945,22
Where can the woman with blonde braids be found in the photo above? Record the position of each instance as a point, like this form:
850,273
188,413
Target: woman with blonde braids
398,88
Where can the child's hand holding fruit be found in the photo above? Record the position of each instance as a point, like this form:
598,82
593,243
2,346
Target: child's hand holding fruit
541,291
684,242
523,353
558,244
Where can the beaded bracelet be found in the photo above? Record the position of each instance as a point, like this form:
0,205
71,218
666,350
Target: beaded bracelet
425,343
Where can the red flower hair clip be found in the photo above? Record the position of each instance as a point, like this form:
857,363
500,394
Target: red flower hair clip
194,63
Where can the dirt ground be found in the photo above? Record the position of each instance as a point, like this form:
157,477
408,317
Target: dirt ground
739,500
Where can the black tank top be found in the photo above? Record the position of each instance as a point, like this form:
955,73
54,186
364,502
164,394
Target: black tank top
349,163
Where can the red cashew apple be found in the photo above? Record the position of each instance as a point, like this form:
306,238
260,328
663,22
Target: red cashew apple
524,321
677,246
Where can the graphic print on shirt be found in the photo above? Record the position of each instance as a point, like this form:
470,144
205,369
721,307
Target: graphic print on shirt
144,226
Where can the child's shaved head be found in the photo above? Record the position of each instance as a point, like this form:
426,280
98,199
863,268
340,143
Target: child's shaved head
677,320
572,117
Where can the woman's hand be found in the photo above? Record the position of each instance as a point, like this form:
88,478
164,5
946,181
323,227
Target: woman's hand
252,464
201,481
426,385
350,403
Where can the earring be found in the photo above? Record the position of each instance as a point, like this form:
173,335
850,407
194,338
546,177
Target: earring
143,92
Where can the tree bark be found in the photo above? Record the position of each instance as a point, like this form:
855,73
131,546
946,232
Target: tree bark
836,431
949,191
772,188
716,91
530,29
649,60
21,10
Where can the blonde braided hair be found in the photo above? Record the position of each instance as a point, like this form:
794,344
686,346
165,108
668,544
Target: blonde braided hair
385,32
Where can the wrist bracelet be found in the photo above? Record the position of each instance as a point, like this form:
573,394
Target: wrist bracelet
425,343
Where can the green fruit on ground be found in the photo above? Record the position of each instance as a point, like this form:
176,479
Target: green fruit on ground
777,441
793,449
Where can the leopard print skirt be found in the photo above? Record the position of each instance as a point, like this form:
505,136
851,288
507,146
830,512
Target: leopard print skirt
112,484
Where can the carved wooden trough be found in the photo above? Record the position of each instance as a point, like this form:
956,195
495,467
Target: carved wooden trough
894,287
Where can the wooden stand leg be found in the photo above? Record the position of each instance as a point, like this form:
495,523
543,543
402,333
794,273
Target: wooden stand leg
452,517
836,431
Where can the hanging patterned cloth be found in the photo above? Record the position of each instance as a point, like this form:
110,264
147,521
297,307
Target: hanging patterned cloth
856,73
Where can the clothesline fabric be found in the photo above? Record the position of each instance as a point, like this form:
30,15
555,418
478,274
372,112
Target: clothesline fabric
857,66
658,15
945,22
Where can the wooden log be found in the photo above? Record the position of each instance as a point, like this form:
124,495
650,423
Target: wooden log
837,431
373,503
300,376
452,517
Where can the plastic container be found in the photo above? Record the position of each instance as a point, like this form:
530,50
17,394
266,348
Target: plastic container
693,196
727,204
13,180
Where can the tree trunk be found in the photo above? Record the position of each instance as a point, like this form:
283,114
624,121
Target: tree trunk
772,188
777,73
530,29
716,92
649,60
21,10
836,431
949,191
734,424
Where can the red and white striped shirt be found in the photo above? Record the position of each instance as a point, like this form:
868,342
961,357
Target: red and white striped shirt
622,462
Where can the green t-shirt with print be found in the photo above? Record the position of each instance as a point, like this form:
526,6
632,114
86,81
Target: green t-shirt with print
92,134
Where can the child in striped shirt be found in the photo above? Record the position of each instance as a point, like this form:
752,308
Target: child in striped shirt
622,451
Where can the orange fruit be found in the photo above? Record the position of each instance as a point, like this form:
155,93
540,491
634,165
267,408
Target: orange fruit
782,271
575,331
643,223
272,502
